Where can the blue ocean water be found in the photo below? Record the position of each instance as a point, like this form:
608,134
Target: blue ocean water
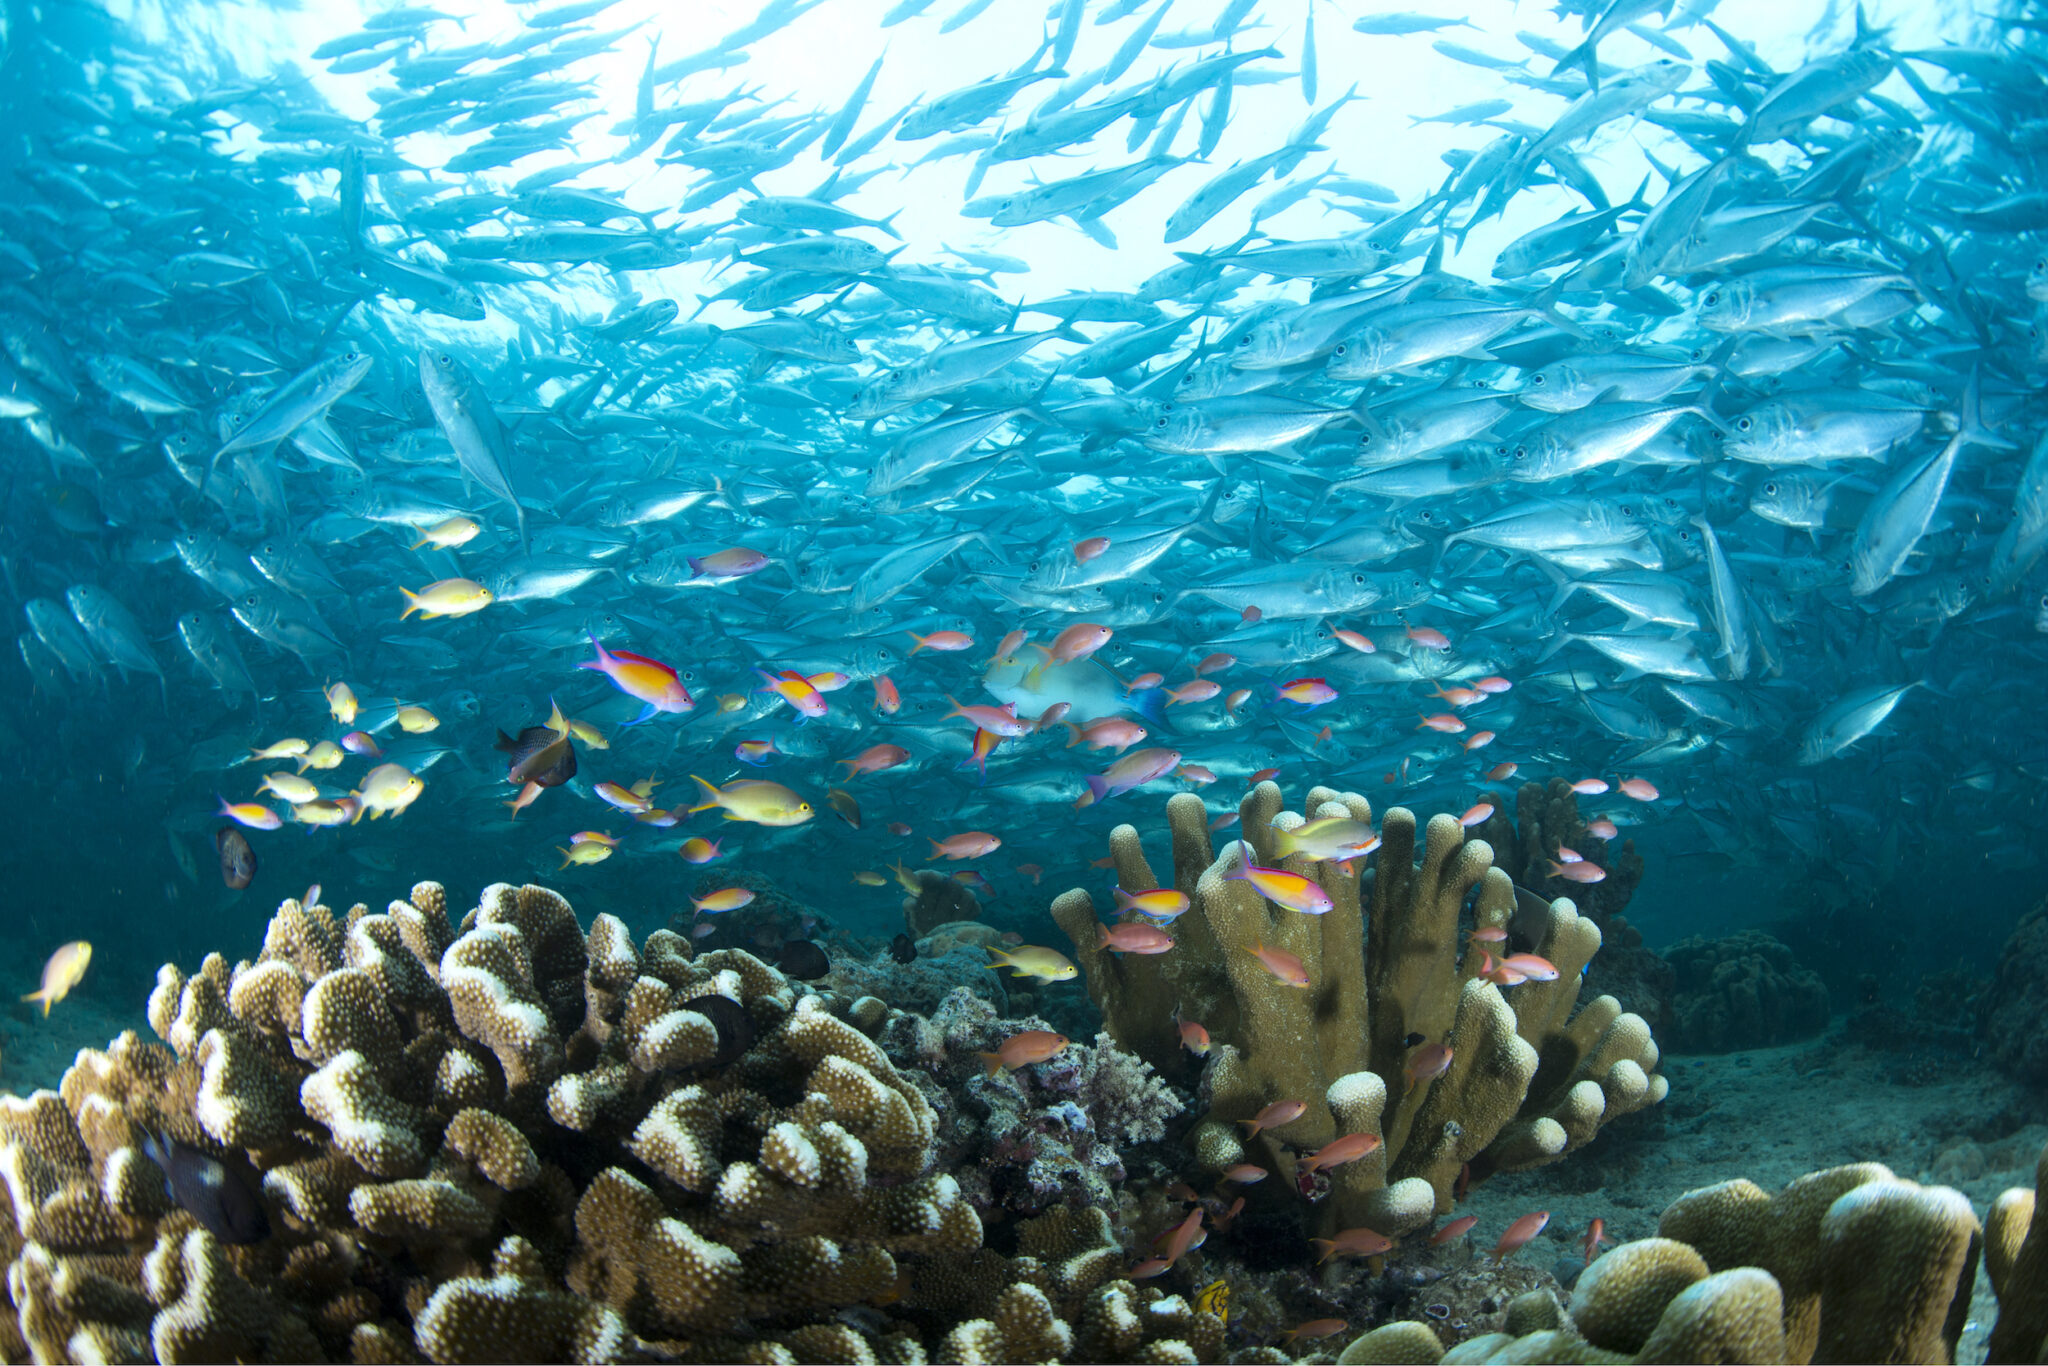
1387,355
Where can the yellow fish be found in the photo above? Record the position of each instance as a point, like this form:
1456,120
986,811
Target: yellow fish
416,720
283,749
339,811
589,851
387,790
589,734
753,799
324,755
446,598
63,972
289,786
1214,1298
447,534
341,702
1029,960
868,877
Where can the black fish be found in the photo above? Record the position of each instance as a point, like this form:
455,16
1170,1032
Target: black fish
804,960
903,949
237,859
219,1197
540,755
735,1026
1412,1040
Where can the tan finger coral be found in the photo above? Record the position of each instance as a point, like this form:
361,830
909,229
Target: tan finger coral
1532,1074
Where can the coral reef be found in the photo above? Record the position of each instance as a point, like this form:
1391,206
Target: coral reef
510,1139
2016,1010
1743,991
498,1140
1023,1141
1527,1081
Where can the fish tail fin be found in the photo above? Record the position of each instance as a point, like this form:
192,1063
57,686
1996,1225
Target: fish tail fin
1074,736
565,858
710,792
992,1061
1150,704
1970,429
647,713
423,537
1098,787
997,958
938,849
1585,56
413,604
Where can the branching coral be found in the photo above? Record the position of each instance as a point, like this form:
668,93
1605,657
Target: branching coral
1528,1080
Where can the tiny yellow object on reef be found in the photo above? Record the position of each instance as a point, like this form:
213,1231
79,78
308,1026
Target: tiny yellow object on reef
1214,1298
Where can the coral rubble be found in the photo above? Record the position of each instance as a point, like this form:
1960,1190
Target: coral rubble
1530,1075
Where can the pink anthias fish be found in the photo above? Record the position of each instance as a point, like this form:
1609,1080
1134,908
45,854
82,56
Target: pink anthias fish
647,680
1133,770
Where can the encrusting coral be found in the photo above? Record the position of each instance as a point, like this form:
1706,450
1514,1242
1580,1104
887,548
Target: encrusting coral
500,1140
1528,1079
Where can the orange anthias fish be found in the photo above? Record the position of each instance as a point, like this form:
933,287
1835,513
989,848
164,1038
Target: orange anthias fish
1309,693
1273,1116
1086,550
647,680
1338,1151
1457,1228
1596,1237
1193,1037
1244,1174
1314,1329
1077,642
1002,720
1480,739
1022,1050
941,640
875,758
1182,1238
966,844
887,700
1430,1061
1111,732
1285,967
1581,871
1520,1233
1479,812
1133,938
1161,904
1642,789
1353,1242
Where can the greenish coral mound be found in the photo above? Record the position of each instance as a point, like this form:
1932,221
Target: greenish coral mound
2016,1261
1532,1076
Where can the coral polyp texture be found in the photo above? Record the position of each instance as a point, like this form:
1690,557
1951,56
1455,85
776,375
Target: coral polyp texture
505,1139
1532,1073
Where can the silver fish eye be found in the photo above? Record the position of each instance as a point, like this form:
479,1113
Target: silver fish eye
1339,349
1538,380
1743,424
1358,579
1713,298
1771,490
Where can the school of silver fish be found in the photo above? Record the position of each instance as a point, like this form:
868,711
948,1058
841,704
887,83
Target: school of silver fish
1711,486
